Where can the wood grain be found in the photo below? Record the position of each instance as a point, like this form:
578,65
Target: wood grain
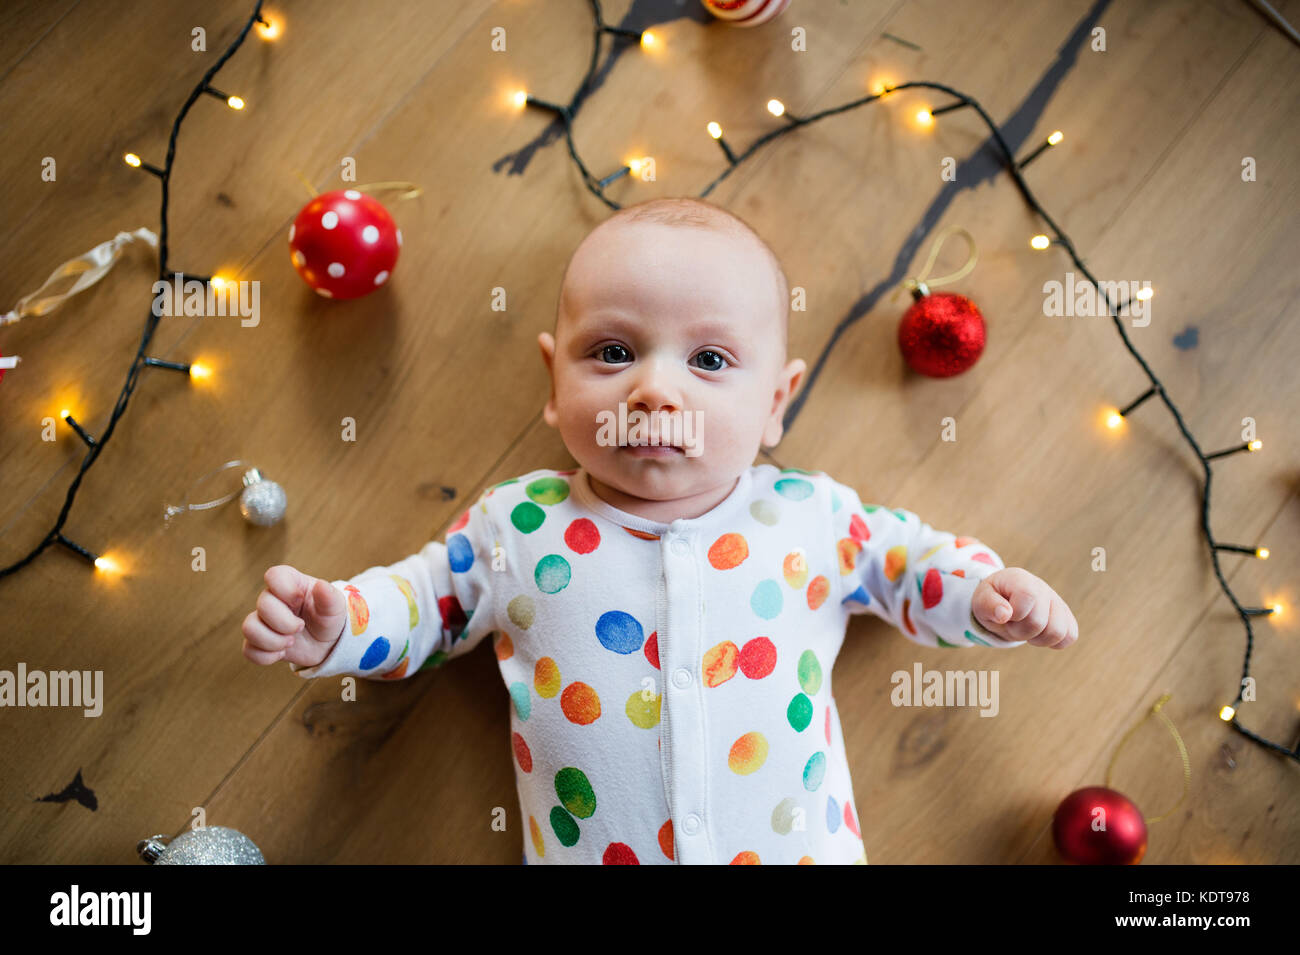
447,394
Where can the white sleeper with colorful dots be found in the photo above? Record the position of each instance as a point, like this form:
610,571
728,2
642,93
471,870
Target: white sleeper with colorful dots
669,683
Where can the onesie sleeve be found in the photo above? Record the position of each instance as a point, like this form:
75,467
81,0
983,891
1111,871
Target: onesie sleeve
901,569
423,610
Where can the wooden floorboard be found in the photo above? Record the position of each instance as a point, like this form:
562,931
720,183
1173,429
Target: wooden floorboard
447,393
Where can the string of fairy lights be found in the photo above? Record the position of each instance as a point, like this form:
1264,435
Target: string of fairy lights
1114,418
268,28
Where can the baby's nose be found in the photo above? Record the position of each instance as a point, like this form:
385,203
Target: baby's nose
655,391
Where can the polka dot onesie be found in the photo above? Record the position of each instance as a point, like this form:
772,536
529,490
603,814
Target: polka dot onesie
669,683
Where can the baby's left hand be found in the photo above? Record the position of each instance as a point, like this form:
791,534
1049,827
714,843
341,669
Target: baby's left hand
1015,605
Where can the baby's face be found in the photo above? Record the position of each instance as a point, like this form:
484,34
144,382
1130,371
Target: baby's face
666,319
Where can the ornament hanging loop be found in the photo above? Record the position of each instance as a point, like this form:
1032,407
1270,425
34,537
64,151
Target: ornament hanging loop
408,190
170,511
920,285
83,271
1157,710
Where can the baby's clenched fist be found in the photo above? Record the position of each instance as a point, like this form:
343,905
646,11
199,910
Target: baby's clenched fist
298,618
1015,605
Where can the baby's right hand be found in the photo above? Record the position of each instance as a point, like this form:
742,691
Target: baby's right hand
298,618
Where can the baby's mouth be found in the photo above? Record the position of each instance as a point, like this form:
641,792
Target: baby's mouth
653,450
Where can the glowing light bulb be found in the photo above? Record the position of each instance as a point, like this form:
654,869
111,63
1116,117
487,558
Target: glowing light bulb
271,29
775,107
881,87
715,130
1114,419
1255,445
198,370
1039,242
1056,137
1262,553
925,117
1226,714
132,159
1277,609
1144,293
234,102
64,413
648,39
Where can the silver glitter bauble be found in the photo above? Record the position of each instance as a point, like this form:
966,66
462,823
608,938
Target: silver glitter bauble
211,845
263,501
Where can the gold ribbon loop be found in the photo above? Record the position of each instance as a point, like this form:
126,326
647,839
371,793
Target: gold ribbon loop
409,189
1158,710
920,281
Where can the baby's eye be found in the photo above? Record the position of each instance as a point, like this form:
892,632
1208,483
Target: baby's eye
619,351
712,361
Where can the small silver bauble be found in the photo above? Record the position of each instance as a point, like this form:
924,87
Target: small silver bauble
262,501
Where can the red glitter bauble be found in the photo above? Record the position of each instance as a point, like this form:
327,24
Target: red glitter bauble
942,334
1099,826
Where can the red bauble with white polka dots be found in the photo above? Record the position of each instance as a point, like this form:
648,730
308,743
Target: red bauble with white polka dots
344,244
745,13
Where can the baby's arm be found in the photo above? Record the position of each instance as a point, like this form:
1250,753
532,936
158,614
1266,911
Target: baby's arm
921,580
429,607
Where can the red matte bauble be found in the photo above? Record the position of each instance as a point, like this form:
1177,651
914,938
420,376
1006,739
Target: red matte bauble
1099,826
344,243
942,334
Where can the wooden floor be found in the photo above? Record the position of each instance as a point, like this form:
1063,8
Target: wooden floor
447,393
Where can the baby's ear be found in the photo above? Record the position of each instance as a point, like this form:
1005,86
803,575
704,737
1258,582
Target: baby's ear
787,385
794,373
547,344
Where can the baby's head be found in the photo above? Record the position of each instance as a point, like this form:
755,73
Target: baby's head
677,309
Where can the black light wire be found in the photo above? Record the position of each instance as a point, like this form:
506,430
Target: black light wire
96,445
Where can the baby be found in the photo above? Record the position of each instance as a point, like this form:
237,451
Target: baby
666,616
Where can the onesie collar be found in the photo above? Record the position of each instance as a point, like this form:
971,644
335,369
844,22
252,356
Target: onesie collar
720,512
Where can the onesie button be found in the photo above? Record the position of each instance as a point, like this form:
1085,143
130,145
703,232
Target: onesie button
680,547
682,678
691,824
